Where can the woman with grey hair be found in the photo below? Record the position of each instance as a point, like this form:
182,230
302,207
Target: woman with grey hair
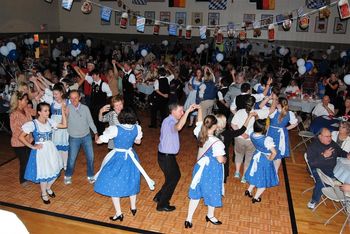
342,137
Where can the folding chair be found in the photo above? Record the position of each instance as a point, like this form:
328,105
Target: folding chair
305,135
309,168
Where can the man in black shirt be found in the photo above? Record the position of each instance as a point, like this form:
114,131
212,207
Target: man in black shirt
322,153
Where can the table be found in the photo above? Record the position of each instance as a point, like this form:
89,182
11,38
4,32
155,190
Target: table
305,105
324,122
145,88
342,170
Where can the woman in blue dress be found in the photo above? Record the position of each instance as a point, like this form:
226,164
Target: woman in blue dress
261,172
45,163
281,120
208,173
60,137
193,85
119,175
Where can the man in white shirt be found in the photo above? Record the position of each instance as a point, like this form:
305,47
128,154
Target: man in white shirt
323,108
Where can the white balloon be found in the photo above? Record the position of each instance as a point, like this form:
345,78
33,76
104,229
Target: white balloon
26,41
4,50
282,50
31,41
329,51
347,79
302,70
144,53
300,62
286,51
56,53
206,45
198,50
74,53
165,43
132,42
202,47
343,54
78,51
57,40
11,46
75,41
88,43
332,47
219,57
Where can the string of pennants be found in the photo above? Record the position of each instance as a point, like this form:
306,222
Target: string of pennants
175,29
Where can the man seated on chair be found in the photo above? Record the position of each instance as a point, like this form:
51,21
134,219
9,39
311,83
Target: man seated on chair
322,153
323,108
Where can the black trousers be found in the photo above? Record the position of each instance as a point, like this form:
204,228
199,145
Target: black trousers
170,168
162,107
22,154
94,114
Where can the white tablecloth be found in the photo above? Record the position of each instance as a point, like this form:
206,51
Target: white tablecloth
342,170
145,88
306,106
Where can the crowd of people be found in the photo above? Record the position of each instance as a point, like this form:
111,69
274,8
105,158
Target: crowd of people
228,103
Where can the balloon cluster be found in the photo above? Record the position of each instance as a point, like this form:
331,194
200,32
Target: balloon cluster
330,49
29,41
9,51
59,39
282,51
77,47
304,66
201,48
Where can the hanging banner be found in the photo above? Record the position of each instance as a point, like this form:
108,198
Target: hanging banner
219,37
124,20
188,32
202,32
343,7
140,24
172,29
180,32
217,4
67,4
156,27
106,13
271,33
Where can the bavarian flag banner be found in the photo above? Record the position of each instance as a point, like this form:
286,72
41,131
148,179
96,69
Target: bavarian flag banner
140,24
177,3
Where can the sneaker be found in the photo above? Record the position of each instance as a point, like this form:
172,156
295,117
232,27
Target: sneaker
91,179
243,181
311,205
67,180
237,175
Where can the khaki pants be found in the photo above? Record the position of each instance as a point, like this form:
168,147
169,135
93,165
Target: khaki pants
207,107
243,148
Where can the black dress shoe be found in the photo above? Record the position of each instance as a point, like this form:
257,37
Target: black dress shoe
166,208
156,199
209,220
188,224
44,200
52,194
133,212
256,200
115,218
247,193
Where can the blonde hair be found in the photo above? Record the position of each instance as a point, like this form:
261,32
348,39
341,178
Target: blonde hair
16,96
208,122
221,122
21,85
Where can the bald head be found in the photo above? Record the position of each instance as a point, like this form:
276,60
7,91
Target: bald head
325,100
325,136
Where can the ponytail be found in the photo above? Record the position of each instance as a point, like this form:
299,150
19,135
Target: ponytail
208,122
284,104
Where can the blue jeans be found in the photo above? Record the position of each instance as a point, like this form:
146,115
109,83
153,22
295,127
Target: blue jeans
317,192
74,147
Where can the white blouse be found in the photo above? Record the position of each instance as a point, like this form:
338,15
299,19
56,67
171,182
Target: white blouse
112,131
47,127
292,120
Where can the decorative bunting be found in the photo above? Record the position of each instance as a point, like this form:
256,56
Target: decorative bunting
140,24
202,32
124,20
106,13
217,4
315,4
156,27
188,32
271,33
172,29
86,8
67,4
180,32
139,2
219,38
343,7
177,3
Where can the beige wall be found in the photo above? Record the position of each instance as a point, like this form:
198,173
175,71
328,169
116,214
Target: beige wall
28,15
15,17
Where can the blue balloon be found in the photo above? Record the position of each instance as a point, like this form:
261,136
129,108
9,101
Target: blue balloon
74,46
308,66
81,46
12,55
36,44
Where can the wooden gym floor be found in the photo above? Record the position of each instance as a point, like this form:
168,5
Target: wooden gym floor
77,208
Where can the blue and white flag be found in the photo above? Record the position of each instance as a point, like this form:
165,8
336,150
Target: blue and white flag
106,13
316,4
203,32
172,30
217,4
67,4
140,24
139,2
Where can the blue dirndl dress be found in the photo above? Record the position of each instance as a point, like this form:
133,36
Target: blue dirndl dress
119,177
60,137
210,185
279,133
191,98
261,171
44,164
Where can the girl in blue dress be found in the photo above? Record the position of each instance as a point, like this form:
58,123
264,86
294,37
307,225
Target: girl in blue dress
261,172
119,175
45,163
281,120
208,173
60,137
193,85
